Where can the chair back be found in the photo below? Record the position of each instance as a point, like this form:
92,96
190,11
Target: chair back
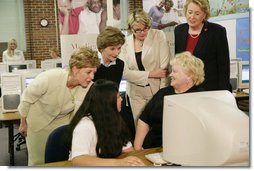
56,148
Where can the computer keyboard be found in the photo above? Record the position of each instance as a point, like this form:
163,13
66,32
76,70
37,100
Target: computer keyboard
247,91
156,158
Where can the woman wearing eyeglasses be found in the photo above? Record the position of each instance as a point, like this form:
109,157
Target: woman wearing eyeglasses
146,55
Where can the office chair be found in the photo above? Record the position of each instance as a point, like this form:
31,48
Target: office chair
56,149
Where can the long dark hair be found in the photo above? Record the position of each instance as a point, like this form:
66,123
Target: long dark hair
101,104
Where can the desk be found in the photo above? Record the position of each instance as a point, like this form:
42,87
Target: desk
9,119
241,95
139,153
242,100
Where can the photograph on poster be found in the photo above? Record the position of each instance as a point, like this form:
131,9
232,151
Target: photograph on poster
165,14
80,16
87,16
68,15
116,22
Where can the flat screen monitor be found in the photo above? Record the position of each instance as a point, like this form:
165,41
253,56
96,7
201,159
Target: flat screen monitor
31,64
16,66
205,129
27,76
244,74
28,81
50,64
59,65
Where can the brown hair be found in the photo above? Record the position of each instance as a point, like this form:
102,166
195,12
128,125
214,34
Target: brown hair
110,36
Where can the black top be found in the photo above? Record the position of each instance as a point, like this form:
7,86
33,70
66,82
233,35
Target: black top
113,72
153,114
139,61
212,48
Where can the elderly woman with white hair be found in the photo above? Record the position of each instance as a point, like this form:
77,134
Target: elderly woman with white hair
186,76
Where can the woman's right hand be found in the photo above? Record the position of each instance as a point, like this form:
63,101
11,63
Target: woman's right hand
130,161
23,127
158,73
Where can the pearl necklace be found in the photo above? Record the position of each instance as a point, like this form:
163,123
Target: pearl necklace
194,37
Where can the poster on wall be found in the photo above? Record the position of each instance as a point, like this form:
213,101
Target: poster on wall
243,38
80,22
227,7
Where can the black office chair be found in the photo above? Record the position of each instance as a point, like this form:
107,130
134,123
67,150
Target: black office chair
56,149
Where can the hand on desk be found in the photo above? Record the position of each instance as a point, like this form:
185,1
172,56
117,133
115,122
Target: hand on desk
131,161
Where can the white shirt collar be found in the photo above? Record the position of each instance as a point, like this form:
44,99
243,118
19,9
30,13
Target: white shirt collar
102,61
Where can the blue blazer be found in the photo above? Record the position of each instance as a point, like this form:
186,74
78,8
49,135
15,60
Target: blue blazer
212,49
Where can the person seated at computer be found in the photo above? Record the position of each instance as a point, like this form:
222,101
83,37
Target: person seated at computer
97,134
54,53
186,76
12,54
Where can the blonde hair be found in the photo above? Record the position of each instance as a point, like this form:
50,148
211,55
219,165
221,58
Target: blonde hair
10,52
203,4
110,36
54,50
84,57
138,16
192,66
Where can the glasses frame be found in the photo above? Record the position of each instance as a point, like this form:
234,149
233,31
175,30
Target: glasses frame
140,30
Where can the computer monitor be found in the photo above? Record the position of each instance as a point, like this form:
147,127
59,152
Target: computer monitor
58,64
27,76
11,91
16,65
3,67
50,64
234,74
243,74
31,64
205,129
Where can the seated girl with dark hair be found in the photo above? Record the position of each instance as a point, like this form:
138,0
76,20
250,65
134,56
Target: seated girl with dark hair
97,133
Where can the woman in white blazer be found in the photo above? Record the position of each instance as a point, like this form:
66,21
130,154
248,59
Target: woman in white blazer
146,55
12,54
52,99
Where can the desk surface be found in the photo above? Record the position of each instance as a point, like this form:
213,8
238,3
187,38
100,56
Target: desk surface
140,153
9,116
240,94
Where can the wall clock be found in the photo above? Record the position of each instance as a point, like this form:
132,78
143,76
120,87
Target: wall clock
44,22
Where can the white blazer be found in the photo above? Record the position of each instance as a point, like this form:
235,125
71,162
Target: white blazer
155,54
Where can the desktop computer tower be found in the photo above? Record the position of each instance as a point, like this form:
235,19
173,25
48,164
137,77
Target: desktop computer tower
11,89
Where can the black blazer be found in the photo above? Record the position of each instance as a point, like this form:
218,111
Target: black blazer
212,49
